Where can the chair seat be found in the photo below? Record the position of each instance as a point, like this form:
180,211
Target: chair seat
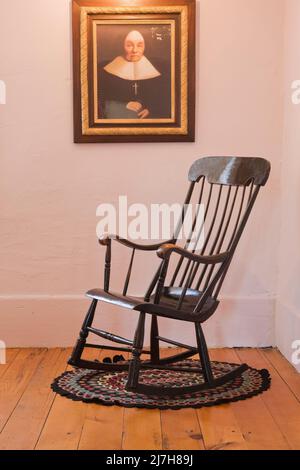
167,306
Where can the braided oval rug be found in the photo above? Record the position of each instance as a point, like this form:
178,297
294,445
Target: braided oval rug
108,388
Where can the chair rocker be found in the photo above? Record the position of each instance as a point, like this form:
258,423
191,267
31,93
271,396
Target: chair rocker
187,290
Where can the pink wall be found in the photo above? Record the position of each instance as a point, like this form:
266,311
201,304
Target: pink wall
50,187
288,304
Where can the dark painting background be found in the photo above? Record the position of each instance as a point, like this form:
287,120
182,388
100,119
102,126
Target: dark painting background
110,44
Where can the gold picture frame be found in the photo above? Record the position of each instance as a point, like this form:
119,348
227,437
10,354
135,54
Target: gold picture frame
101,112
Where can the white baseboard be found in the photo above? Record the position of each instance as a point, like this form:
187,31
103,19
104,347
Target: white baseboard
46,321
287,330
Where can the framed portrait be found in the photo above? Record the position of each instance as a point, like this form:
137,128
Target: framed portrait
134,70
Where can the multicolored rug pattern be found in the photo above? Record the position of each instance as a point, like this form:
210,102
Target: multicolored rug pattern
108,388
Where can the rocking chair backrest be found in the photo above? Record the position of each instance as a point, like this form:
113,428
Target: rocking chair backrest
227,187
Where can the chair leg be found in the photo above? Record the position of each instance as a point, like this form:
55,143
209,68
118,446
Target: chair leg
135,362
81,342
204,356
154,348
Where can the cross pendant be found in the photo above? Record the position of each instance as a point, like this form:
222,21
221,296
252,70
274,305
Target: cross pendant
135,87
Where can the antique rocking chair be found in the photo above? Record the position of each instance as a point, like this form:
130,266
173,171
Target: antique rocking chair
228,188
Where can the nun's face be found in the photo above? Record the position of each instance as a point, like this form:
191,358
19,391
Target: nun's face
134,46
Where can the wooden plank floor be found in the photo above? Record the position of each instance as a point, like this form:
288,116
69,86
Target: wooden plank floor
33,417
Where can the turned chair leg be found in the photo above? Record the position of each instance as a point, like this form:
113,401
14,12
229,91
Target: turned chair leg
81,342
204,356
135,362
154,348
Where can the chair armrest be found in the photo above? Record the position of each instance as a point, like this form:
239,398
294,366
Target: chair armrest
166,250
106,239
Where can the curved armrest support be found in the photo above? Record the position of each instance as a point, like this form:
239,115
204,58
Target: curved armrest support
166,250
106,239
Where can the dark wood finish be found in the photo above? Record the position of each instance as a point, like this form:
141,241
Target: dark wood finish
154,339
176,343
81,342
126,285
236,171
77,123
135,363
166,250
110,336
106,238
229,187
166,307
79,137
204,356
107,266
111,348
